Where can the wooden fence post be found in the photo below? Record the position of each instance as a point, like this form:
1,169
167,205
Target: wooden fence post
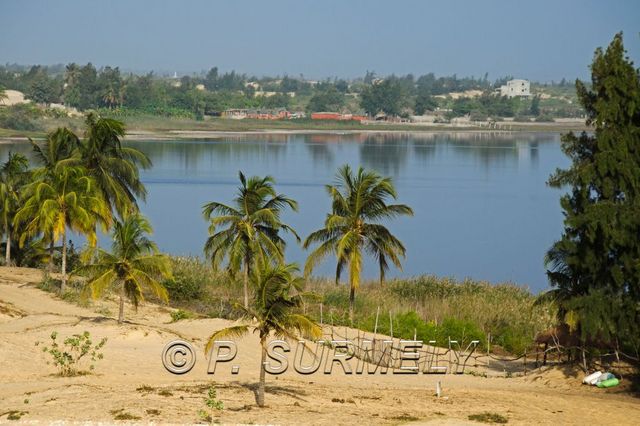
375,327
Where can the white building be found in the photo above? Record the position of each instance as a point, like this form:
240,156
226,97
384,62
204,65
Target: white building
516,88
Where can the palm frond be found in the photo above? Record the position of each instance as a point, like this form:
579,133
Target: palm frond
235,331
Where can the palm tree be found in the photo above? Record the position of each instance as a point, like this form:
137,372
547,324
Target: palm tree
114,167
60,146
13,175
252,230
273,311
359,203
65,200
133,265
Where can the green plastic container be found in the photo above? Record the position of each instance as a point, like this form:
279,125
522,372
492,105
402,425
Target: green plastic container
609,383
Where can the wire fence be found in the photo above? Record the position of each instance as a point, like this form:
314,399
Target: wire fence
459,357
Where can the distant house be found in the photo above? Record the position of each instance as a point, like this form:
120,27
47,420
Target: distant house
515,88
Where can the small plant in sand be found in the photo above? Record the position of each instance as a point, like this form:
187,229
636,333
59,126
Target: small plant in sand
180,315
14,414
488,417
123,415
68,355
212,403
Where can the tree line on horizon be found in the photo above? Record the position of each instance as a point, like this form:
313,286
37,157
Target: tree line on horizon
86,87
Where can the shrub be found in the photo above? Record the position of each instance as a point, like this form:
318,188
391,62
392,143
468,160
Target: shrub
68,355
488,417
522,118
544,119
19,117
478,116
464,331
190,276
179,315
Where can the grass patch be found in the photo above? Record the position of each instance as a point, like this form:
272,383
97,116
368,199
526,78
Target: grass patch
432,308
126,416
488,417
153,412
14,414
165,392
405,418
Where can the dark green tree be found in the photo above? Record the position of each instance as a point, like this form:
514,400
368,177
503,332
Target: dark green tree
211,80
43,89
599,252
329,99
424,102
535,106
385,96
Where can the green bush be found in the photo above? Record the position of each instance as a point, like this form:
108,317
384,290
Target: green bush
522,118
190,277
544,119
464,331
19,117
68,355
179,315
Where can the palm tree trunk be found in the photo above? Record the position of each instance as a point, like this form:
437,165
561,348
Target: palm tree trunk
7,260
352,299
121,310
51,244
260,396
246,283
64,263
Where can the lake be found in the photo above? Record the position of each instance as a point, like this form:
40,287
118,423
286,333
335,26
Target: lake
482,207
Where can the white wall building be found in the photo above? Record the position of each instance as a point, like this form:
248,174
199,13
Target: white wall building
516,88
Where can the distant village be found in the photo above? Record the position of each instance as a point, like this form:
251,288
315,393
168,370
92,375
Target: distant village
73,89
513,88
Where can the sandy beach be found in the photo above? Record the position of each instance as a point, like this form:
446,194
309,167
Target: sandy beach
131,378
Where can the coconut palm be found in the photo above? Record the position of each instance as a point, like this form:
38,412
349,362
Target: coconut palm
133,265
252,227
273,311
114,167
13,174
61,201
352,228
59,147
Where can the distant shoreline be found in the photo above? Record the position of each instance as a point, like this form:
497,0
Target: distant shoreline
137,134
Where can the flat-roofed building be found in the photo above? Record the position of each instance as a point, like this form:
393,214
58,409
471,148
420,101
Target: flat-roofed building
515,88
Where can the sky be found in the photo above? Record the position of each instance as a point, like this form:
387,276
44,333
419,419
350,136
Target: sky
539,40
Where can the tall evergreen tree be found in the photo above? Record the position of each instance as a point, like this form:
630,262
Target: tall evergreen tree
597,260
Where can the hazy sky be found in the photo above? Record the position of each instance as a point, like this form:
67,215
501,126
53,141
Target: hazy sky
540,40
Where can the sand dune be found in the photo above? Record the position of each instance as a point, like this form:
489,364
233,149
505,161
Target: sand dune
131,379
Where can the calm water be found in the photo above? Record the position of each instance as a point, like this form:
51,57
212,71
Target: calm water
482,208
